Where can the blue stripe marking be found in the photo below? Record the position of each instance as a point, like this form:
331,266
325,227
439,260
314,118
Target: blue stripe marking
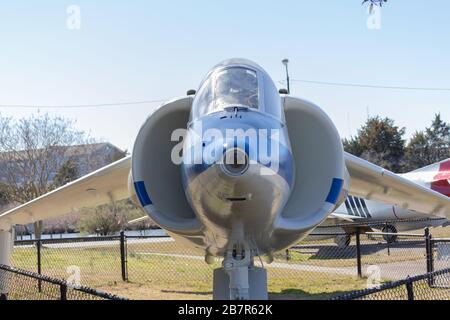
142,194
335,190
215,121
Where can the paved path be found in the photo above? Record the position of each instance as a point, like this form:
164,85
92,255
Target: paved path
87,244
276,265
388,271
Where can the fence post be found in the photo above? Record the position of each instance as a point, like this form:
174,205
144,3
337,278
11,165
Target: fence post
123,256
288,255
358,252
39,259
39,262
429,250
63,291
429,254
410,289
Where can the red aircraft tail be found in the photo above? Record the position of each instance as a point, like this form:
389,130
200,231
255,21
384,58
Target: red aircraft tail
436,176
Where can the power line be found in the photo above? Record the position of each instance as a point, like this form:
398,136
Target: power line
359,85
118,104
100,105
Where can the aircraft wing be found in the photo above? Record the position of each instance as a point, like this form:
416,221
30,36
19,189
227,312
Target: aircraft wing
372,182
99,187
342,217
368,181
139,220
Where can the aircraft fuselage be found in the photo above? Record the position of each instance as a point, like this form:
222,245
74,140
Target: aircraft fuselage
238,168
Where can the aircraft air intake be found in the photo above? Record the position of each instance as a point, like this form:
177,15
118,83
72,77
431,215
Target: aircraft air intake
235,162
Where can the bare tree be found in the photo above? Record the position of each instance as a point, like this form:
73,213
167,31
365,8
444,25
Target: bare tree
34,155
109,219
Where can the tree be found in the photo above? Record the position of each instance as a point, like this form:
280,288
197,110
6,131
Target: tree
429,146
108,219
417,152
439,139
33,150
3,194
102,220
379,141
66,173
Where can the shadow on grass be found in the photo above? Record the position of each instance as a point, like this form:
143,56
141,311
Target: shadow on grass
196,293
332,252
286,294
298,294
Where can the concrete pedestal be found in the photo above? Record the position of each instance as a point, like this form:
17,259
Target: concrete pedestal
257,280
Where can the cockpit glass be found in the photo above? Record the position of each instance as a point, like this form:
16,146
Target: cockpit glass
232,87
236,87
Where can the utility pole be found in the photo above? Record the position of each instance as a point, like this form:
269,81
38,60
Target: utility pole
286,62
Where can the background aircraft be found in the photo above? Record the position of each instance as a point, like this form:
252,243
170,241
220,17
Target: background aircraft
224,195
378,216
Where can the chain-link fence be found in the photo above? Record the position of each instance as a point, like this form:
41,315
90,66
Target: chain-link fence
95,260
440,254
430,286
16,284
390,257
328,264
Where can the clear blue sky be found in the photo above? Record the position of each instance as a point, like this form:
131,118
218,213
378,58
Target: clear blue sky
137,50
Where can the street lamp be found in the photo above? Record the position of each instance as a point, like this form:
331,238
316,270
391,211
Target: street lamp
286,62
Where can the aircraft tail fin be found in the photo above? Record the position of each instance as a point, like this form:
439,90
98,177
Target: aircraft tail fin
435,176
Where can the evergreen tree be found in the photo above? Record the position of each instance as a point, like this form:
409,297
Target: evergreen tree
417,152
439,139
429,146
66,173
379,141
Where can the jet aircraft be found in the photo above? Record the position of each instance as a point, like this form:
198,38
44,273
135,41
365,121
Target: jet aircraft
238,171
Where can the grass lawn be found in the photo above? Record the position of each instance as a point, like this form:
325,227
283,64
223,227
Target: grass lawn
170,270
152,275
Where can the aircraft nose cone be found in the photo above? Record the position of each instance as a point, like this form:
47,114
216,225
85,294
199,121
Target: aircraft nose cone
235,162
